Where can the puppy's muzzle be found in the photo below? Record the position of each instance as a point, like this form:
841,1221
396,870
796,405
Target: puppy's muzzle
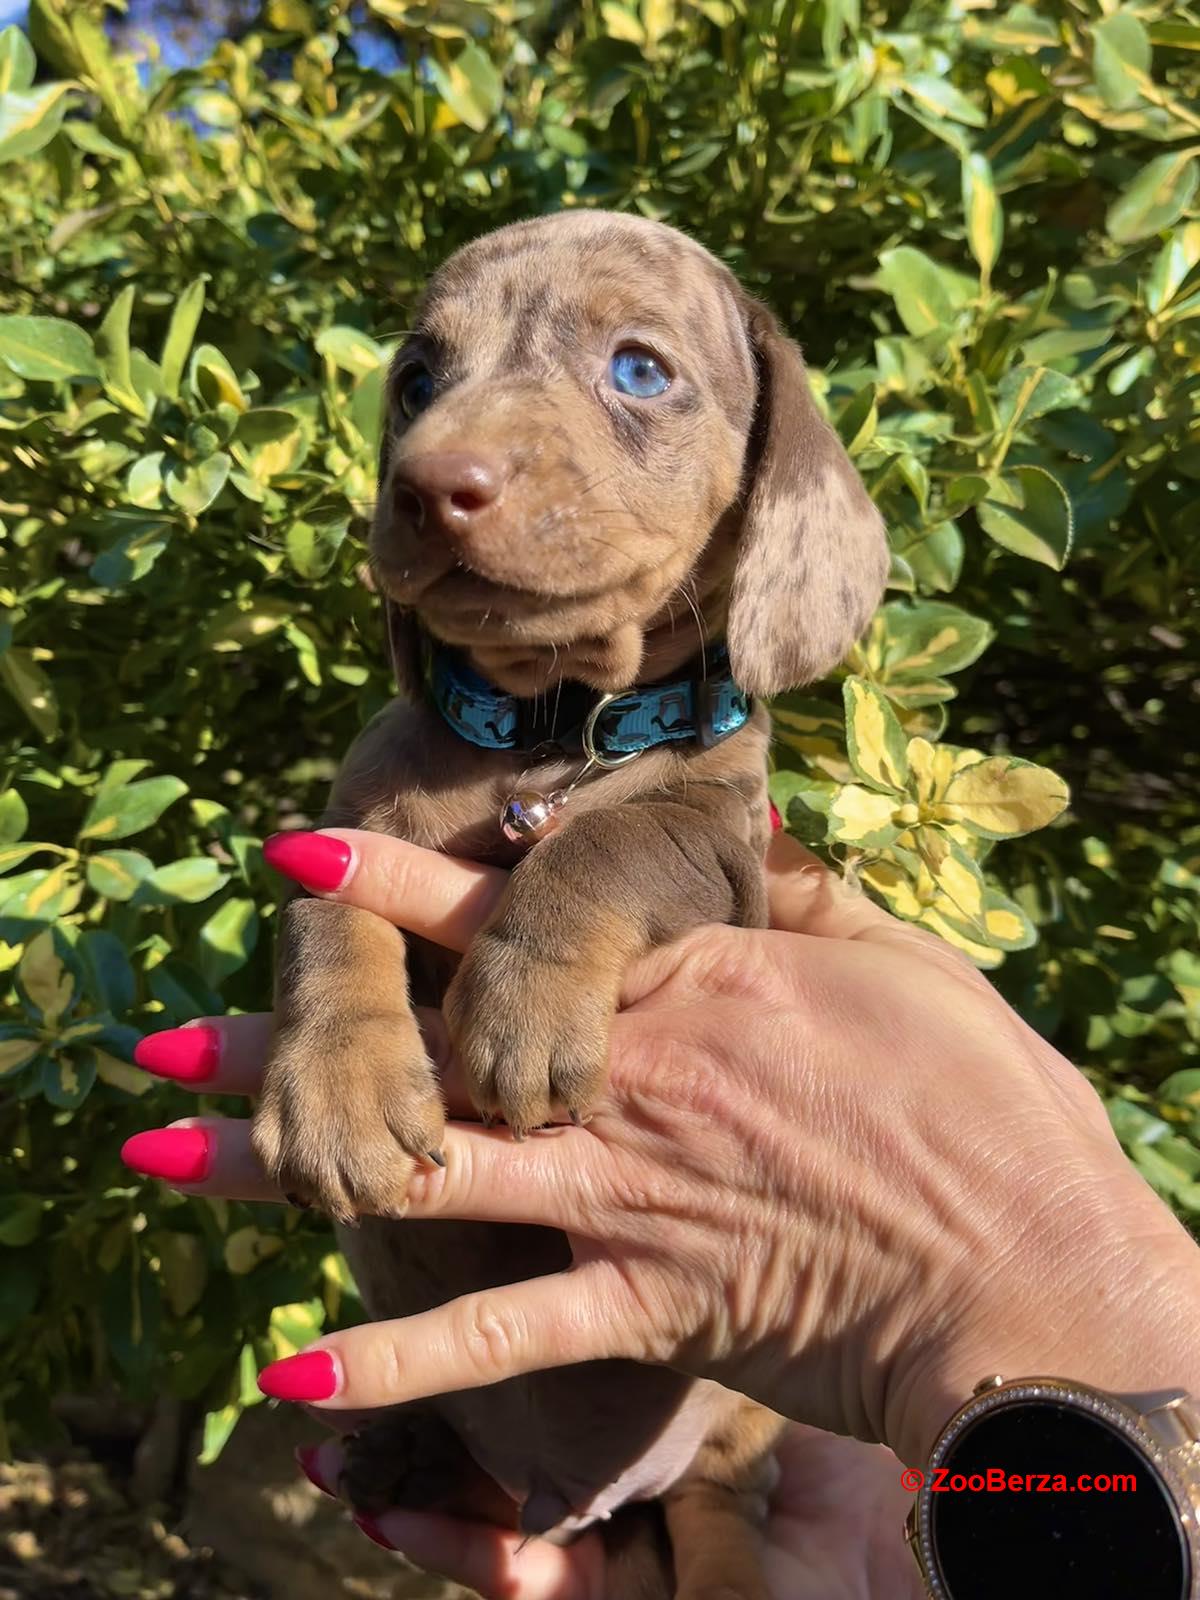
451,494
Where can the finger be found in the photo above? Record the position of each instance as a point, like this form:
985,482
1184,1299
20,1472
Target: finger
487,1177
476,1340
435,896
806,897
491,1560
228,1055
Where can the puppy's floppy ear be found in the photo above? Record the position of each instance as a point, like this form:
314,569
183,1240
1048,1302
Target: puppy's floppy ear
813,555
402,638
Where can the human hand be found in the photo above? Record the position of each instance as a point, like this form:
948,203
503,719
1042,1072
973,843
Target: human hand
832,1533
832,1170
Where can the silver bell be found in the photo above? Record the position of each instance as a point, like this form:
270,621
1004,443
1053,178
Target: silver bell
527,815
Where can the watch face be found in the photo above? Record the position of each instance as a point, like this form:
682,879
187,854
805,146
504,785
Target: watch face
1039,1499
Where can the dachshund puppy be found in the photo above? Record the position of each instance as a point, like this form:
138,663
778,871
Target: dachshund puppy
610,516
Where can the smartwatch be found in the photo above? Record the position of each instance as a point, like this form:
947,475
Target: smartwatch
1042,1487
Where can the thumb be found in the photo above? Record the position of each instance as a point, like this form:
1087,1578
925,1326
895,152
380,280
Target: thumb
479,1339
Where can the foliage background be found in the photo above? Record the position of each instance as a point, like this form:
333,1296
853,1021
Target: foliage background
979,218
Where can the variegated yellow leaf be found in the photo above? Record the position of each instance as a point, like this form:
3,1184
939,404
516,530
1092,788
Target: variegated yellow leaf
877,747
44,978
959,880
1006,925
15,1054
247,1246
860,816
980,954
1000,797
823,754
120,1075
896,887
932,766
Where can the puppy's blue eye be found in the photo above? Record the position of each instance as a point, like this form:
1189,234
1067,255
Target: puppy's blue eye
636,372
416,392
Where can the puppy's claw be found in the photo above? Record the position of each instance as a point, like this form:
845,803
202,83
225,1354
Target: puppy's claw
436,1157
575,1118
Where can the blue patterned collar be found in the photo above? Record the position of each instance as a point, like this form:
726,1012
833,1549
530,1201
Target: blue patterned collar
706,706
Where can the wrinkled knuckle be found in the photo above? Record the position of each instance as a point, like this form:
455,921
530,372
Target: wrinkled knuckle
388,1386
491,1337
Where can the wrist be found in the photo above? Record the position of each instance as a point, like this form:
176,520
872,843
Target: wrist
1109,1297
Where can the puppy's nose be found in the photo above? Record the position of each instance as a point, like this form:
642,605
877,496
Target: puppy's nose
446,490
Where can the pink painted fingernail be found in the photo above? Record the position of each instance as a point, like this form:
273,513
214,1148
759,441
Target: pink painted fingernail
776,819
306,1459
309,1376
312,859
371,1528
189,1055
176,1155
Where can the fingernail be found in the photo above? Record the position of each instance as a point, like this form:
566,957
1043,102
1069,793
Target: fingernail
189,1055
371,1528
309,1376
313,859
176,1155
776,819
306,1459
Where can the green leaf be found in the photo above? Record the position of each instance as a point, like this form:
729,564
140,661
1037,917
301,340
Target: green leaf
470,86
927,296
189,881
20,1214
144,484
32,689
108,975
47,349
29,121
113,351
14,815
312,544
877,747
939,97
213,380
116,874
18,64
1001,797
228,939
131,556
129,808
1156,198
351,350
1120,59
983,212
1028,512
1026,393
936,558
194,488
177,345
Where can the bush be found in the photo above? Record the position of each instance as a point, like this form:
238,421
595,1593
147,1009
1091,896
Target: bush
976,221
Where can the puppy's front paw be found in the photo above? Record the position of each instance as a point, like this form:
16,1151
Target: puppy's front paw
347,1109
533,1036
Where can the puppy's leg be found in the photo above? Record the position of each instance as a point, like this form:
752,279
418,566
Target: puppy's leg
410,1459
530,1008
716,1514
350,1100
